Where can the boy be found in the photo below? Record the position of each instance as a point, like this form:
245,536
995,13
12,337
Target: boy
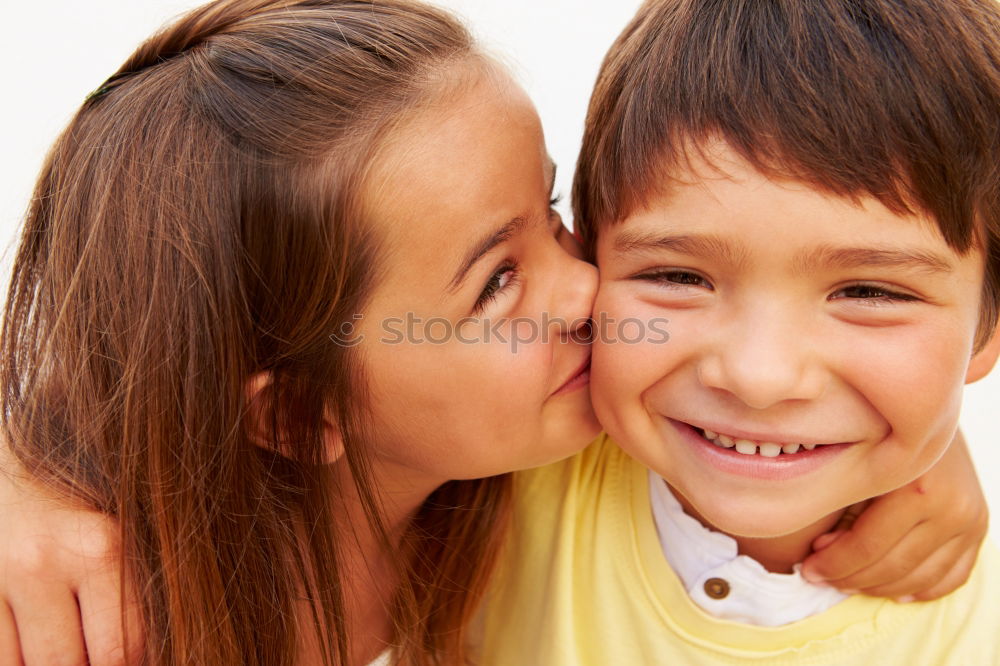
809,192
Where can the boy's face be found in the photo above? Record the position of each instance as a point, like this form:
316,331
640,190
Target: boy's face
795,317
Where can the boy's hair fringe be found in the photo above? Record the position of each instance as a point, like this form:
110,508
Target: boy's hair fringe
896,99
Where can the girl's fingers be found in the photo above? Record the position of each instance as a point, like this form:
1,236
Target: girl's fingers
906,526
922,577
875,532
953,580
10,650
101,602
48,626
912,553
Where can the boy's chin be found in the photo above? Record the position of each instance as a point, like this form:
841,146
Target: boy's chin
760,518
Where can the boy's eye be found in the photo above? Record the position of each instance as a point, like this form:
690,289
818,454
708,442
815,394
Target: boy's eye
501,278
872,294
675,277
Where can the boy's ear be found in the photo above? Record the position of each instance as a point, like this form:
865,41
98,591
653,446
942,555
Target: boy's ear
984,359
267,429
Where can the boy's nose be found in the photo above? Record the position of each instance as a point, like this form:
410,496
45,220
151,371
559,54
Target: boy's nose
762,364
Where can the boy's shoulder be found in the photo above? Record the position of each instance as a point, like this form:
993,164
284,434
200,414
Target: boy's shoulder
590,460
960,628
974,609
583,568
583,472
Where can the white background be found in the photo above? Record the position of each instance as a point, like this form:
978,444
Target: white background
55,52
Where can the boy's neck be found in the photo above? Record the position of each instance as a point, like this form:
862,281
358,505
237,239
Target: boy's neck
776,554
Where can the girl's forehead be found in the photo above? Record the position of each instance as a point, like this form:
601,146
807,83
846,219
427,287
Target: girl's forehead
454,171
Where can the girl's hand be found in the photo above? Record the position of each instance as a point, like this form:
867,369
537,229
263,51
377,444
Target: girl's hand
60,589
919,542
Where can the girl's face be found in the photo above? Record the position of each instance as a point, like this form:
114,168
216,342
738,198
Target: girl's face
475,342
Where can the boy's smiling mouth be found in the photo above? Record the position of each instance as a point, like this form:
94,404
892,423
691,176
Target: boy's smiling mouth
757,458
749,447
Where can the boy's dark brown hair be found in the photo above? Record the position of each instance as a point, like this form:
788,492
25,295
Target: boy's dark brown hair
897,99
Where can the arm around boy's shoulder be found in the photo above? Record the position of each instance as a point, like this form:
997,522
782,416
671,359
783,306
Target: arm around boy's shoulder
969,618
59,577
959,629
582,583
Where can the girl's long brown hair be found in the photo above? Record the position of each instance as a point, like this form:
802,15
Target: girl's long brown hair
198,222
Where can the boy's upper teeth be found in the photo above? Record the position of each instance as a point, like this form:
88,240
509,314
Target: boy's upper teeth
751,447
769,450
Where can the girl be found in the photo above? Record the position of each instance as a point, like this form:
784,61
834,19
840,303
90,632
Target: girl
262,315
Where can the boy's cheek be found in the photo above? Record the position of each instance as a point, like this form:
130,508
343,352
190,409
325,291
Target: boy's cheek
631,354
912,379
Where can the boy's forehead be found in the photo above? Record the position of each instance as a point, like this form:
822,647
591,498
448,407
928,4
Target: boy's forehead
691,163
721,206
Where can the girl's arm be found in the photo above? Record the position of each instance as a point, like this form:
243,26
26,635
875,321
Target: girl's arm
60,588
919,542
61,600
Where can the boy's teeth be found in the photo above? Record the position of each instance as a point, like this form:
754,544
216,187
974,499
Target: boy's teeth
749,447
770,450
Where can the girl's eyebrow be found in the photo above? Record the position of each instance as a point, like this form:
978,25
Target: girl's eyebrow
482,247
490,241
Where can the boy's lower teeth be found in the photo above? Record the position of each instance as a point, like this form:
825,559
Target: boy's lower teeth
748,448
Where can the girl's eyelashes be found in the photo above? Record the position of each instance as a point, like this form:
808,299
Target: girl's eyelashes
507,273
872,294
674,277
502,278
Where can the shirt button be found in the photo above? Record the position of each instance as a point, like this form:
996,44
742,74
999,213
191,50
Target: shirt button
717,588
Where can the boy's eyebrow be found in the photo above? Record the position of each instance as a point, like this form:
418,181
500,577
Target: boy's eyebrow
826,256
858,257
490,241
702,245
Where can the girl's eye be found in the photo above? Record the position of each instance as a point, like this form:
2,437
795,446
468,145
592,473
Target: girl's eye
501,278
675,278
554,215
872,294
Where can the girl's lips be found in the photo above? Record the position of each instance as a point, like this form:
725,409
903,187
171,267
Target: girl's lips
784,466
579,378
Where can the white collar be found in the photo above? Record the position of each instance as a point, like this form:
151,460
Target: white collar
725,584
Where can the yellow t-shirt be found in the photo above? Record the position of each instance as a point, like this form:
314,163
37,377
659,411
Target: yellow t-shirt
585,582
